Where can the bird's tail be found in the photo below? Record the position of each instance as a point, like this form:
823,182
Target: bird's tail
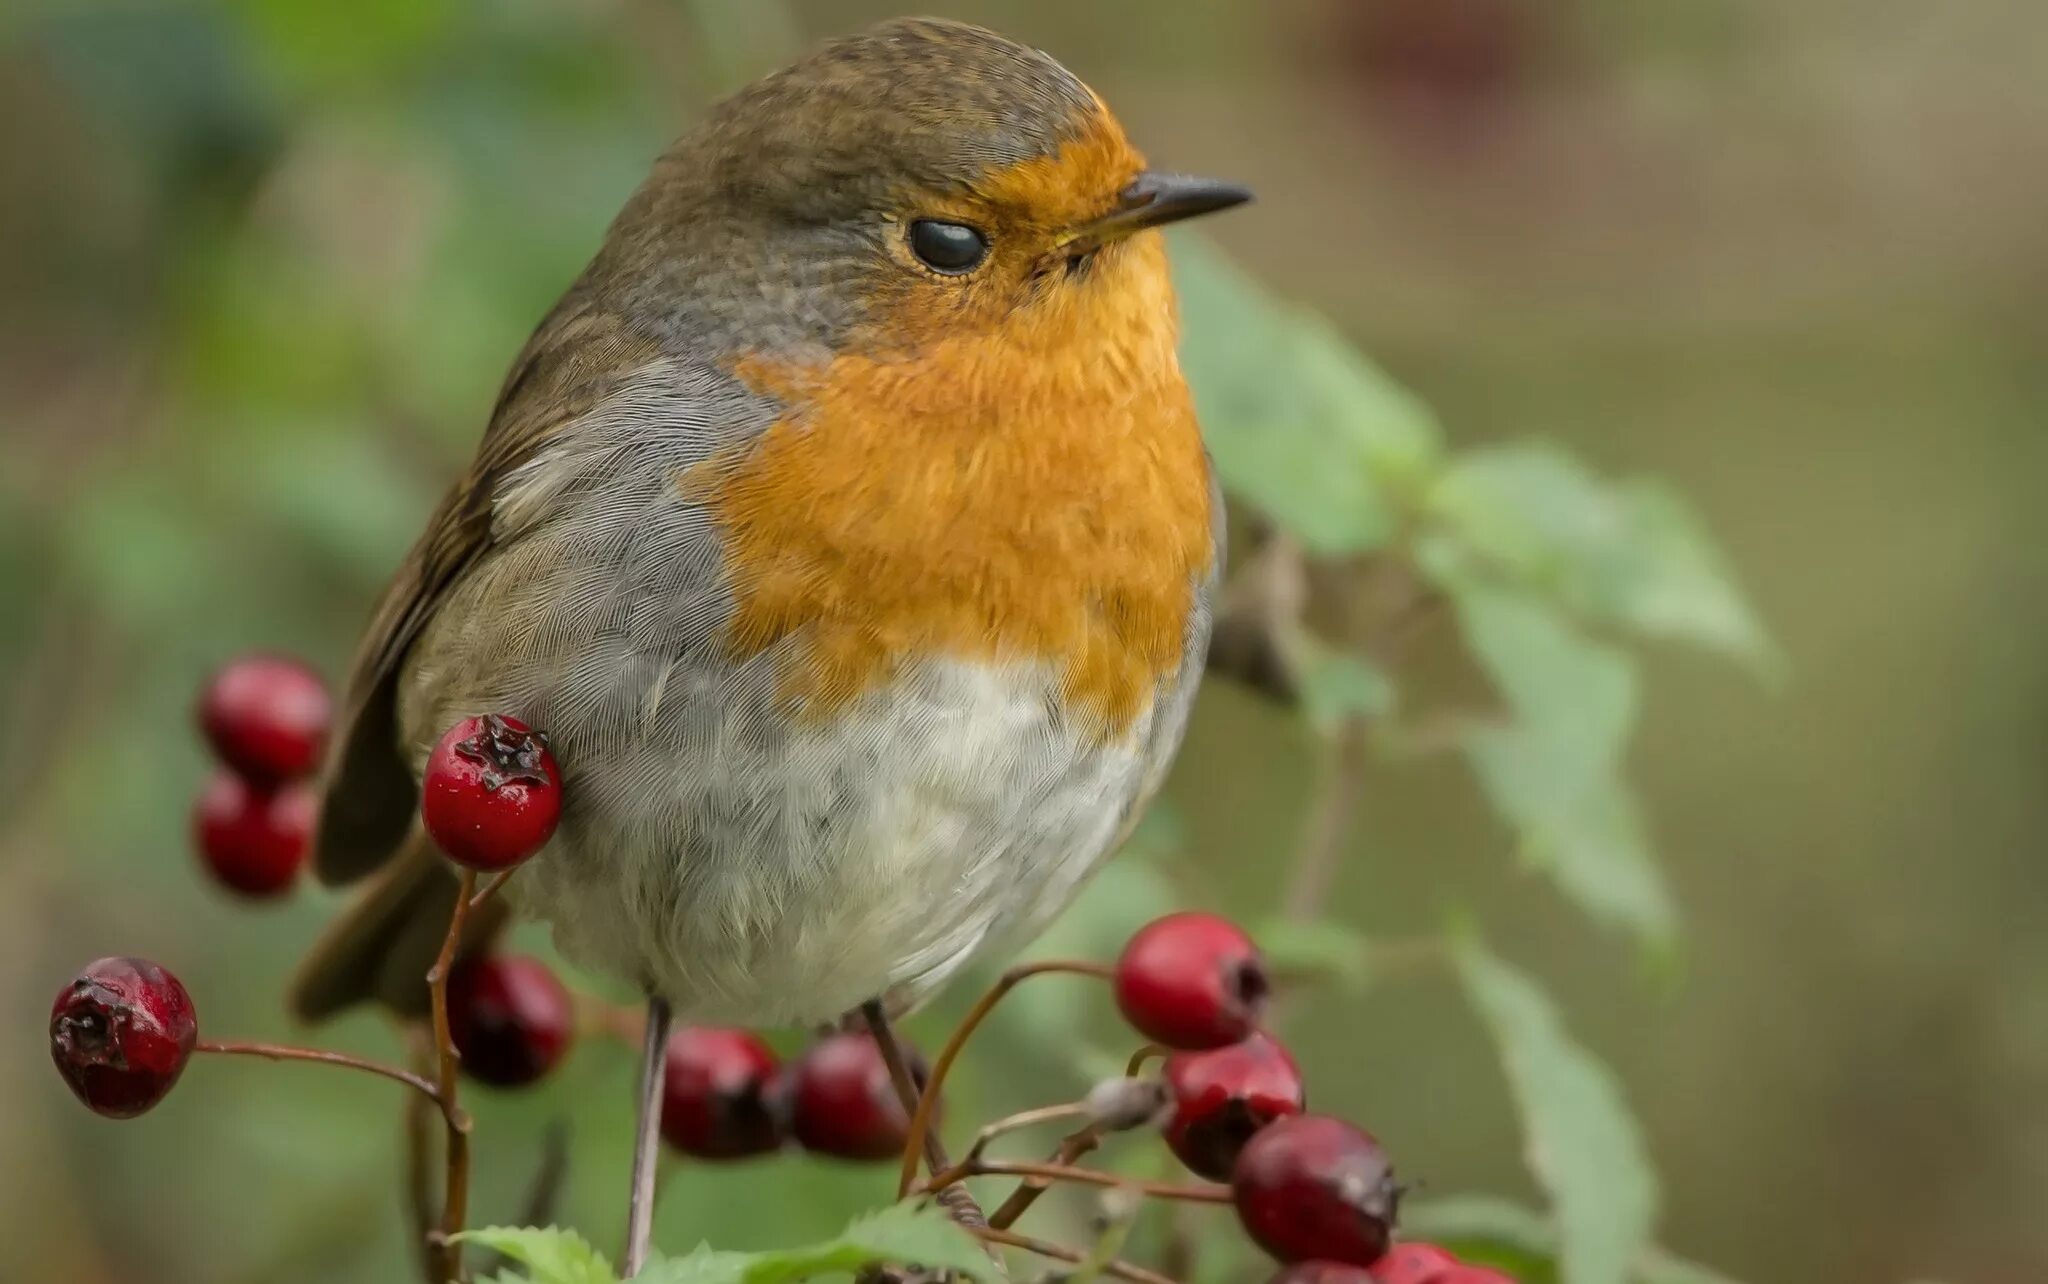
380,948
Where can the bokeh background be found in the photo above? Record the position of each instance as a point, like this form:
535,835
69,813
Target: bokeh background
263,262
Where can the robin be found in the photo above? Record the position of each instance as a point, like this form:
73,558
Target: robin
847,528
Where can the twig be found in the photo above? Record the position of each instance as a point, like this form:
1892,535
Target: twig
1021,1120
421,1209
455,1199
921,1122
490,889
1335,805
1072,1147
1061,1253
1084,1176
284,1052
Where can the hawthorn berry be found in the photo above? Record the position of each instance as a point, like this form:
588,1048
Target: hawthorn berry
1224,1095
267,717
121,1033
1413,1262
491,793
1191,981
842,1101
718,1094
253,839
1322,1273
511,1019
1314,1188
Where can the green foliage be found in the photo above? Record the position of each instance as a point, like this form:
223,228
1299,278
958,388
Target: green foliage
1630,554
549,1254
900,1235
1582,1143
1301,426
1554,770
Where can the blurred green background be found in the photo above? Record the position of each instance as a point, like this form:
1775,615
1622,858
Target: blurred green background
263,262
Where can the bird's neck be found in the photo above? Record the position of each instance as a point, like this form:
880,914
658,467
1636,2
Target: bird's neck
1034,492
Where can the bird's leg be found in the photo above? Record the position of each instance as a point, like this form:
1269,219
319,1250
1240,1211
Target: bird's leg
646,1138
954,1198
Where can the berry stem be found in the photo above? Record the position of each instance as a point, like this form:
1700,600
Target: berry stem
490,889
1136,1064
419,1169
455,1201
1061,1253
285,1052
1072,1147
1085,1176
921,1122
1019,1121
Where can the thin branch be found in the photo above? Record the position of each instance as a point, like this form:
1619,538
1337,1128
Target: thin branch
1072,1147
490,889
1337,797
921,1122
455,1200
1021,1120
1136,1064
1083,1176
422,1211
285,1052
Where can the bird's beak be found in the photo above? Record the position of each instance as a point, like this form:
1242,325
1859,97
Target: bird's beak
1154,200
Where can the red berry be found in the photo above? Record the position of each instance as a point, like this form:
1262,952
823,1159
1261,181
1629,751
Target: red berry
267,717
1413,1263
120,1034
843,1102
1222,1096
1191,981
492,792
717,1094
1314,1188
510,1017
254,839
1321,1273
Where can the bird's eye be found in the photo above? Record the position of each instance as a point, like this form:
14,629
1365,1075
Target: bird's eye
951,248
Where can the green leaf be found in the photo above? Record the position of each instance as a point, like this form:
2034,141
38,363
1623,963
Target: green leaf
1581,1142
1631,553
705,1266
1554,772
908,1235
1598,851
1501,1232
1299,423
1692,595
550,1255
1338,685
1319,947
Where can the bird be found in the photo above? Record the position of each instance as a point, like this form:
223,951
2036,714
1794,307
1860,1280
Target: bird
846,527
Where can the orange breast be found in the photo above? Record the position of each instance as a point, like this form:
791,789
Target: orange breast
1036,490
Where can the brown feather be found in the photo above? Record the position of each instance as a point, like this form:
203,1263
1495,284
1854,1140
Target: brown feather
380,948
570,363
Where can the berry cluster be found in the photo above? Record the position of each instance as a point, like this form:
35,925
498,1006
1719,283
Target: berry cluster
725,1094
1228,1099
266,718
